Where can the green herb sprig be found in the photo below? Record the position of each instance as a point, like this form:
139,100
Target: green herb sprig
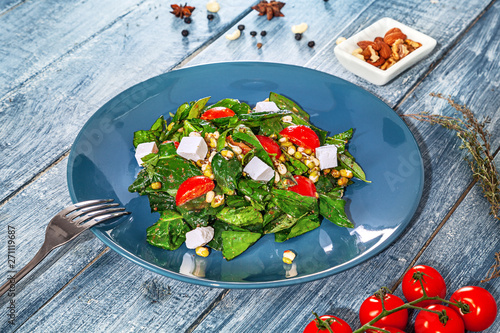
476,140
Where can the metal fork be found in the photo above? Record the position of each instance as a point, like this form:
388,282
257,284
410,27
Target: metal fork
65,226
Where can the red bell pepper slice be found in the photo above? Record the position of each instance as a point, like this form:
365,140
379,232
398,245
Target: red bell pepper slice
304,186
217,112
302,136
193,187
271,147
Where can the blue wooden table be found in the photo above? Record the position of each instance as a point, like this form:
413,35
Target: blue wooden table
62,60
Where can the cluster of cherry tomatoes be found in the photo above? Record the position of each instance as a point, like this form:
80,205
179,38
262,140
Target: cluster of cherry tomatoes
482,308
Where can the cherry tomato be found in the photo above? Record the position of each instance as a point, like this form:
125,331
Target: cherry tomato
269,145
193,187
390,329
176,143
302,136
217,112
482,307
336,324
372,307
304,186
428,322
432,281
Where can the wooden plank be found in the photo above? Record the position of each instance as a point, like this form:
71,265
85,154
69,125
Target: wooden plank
444,21
36,34
7,5
464,249
285,309
29,213
289,309
144,43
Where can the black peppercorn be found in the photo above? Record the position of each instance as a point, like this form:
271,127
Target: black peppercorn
253,33
187,20
210,17
263,33
241,27
311,44
185,33
298,36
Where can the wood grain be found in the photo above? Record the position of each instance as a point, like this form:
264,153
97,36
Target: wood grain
115,295
29,213
45,113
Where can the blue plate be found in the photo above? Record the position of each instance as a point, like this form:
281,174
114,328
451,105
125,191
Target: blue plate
102,165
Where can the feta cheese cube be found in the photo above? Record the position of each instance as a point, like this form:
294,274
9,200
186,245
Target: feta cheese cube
258,170
266,106
193,148
327,156
199,237
144,149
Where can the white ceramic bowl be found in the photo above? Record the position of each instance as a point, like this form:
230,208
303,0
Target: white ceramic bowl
371,73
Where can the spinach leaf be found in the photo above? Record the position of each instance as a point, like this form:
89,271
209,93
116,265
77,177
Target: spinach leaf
236,201
171,173
304,224
332,207
182,112
281,223
143,137
254,190
235,243
293,203
195,111
161,201
141,182
340,140
240,217
286,104
244,133
349,163
169,232
226,172
271,126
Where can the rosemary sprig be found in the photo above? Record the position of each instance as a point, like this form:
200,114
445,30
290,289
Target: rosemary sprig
476,139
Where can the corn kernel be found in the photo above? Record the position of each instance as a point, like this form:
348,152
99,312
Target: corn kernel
282,158
156,185
297,155
282,169
314,178
199,163
286,144
194,134
346,173
308,151
342,181
210,196
335,173
237,150
207,173
283,139
227,153
202,251
213,142
310,164
273,136
217,201
288,256
291,150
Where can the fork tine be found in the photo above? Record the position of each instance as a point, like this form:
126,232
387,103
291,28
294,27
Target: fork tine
83,204
74,214
102,218
88,216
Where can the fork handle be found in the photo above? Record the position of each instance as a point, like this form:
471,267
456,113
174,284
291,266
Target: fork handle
42,253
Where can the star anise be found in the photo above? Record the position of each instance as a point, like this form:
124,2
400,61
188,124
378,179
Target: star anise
182,11
271,9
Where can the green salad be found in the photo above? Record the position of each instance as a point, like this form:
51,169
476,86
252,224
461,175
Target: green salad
223,175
